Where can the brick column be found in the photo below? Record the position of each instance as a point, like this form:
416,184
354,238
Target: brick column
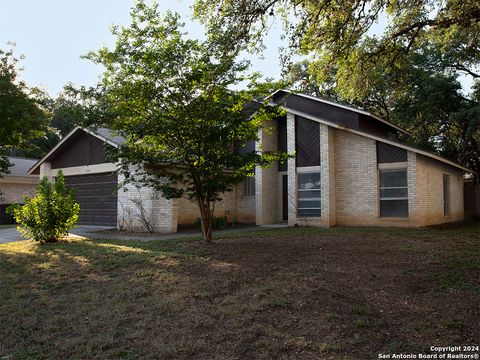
292,171
267,193
413,191
46,170
327,175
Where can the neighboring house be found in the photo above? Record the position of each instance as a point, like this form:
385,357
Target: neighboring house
15,185
349,169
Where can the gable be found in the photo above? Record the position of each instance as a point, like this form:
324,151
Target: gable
80,150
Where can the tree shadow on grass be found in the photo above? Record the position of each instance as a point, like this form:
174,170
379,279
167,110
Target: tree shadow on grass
308,295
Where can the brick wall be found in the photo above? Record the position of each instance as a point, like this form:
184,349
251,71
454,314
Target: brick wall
159,211
349,181
245,207
429,177
13,192
167,215
357,195
356,183
232,206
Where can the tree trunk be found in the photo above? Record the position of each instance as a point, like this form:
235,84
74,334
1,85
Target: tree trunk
206,217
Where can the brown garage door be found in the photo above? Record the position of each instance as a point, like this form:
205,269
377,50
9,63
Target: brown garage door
97,196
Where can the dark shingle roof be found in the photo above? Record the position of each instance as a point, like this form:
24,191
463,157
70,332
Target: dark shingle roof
20,166
109,135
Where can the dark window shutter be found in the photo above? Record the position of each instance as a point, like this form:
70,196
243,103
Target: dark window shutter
307,140
247,149
282,140
387,153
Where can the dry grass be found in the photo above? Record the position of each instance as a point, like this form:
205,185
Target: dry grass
300,293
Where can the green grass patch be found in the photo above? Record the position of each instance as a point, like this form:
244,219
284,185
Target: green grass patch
280,293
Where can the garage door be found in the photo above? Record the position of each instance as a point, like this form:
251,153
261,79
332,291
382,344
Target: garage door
97,196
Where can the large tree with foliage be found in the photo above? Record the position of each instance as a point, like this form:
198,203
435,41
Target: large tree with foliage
424,97
340,33
68,110
171,98
22,115
72,107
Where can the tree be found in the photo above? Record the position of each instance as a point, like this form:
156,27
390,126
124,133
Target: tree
71,108
170,97
50,215
22,117
424,97
340,34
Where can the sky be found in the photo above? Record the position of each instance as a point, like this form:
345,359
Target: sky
54,34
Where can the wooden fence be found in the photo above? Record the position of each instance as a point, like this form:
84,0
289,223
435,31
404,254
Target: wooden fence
471,200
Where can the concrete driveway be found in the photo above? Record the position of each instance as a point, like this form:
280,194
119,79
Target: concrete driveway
10,233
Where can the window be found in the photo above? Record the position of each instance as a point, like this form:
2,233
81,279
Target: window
393,193
446,195
249,186
309,195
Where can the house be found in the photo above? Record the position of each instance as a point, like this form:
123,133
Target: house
349,169
16,184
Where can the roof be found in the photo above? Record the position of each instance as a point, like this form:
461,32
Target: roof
104,134
20,166
110,137
381,139
286,93
107,134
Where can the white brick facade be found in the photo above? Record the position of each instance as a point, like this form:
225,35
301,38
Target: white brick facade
266,179
133,200
13,189
350,183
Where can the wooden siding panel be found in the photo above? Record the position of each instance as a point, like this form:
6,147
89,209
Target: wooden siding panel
387,153
282,140
84,149
323,111
307,142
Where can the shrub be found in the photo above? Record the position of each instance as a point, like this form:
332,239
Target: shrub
219,223
50,215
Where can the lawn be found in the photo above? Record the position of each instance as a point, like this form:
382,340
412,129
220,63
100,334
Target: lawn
299,293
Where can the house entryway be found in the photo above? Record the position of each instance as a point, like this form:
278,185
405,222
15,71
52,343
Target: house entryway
285,197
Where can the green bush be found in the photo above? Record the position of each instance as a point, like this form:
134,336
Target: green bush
219,223
50,215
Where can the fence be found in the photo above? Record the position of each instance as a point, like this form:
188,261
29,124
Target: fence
471,200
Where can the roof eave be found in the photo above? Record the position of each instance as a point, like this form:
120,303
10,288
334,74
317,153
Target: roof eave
359,111
378,138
